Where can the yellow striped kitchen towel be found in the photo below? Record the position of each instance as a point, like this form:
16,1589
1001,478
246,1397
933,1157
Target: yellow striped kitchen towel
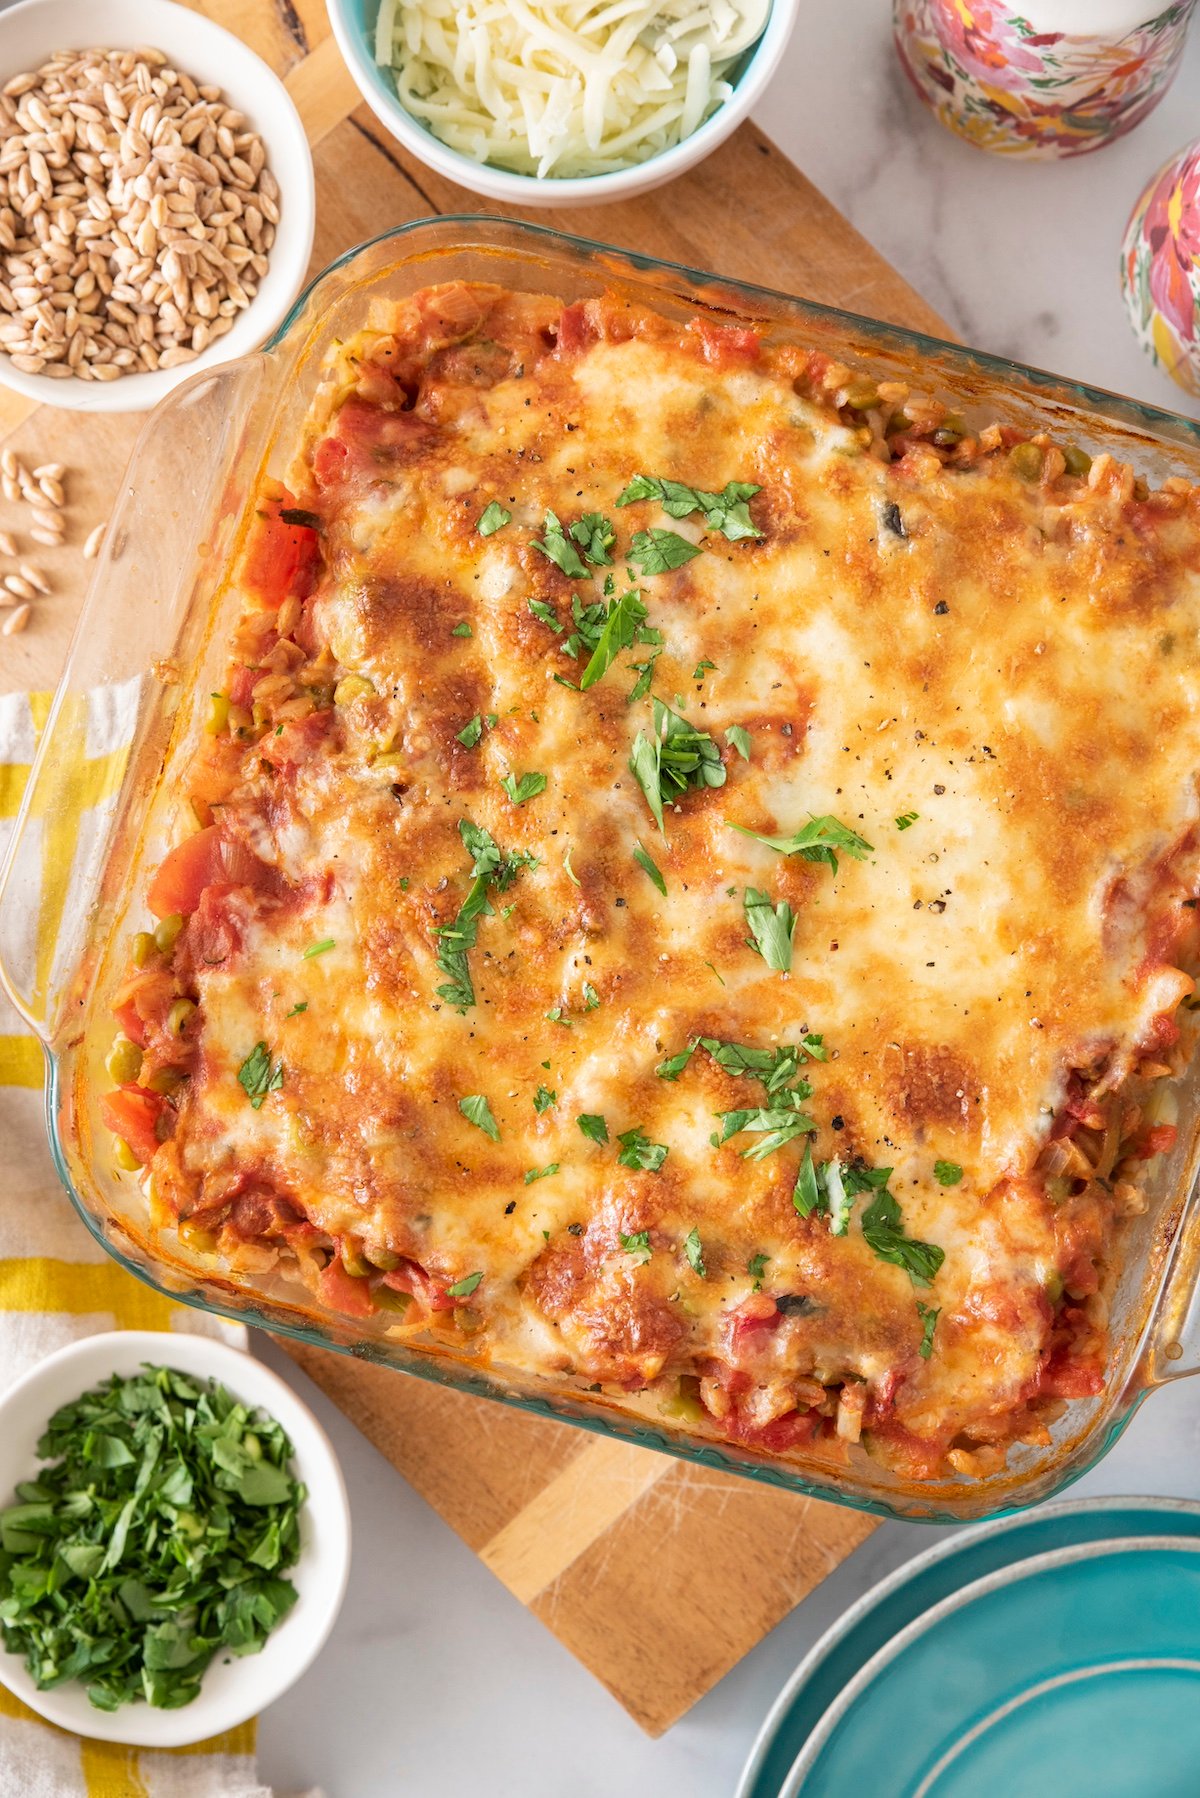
57,1284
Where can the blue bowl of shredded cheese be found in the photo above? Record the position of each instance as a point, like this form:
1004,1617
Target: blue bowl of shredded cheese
546,102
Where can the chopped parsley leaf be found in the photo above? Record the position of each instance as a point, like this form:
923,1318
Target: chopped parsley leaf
947,1173
883,1228
543,1099
462,630
636,1245
556,1016
677,756
738,738
591,997
593,1126
928,1315
756,1267
639,1152
257,1077
651,868
477,1111
470,733
777,1124
541,1173
817,841
595,536
906,820
694,1251
620,630
645,677
489,867
318,948
702,668
726,511
492,518
772,928
296,1010
657,550
526,787
462,1289
547,614
561,551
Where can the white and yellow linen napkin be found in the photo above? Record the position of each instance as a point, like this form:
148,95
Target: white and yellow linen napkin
57,1284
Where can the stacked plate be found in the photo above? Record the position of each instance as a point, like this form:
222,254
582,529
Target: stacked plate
1031,1657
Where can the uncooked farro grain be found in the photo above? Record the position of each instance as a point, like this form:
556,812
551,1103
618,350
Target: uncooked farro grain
136,217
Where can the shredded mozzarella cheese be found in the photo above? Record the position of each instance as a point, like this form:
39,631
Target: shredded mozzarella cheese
564,87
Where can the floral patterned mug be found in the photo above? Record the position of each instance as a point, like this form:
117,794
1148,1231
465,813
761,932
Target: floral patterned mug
1040,78
1160,268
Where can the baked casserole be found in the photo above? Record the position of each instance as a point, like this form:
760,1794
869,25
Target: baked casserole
691,882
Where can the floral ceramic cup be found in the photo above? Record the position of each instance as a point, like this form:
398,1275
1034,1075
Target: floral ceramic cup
1160,268
1054,78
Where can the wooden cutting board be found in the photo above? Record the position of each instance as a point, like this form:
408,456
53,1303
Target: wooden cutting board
658,1575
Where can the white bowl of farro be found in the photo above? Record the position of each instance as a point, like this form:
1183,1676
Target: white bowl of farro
156,200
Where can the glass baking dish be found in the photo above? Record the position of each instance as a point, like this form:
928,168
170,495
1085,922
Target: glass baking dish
148,648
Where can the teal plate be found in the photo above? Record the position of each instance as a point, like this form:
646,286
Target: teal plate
865,1631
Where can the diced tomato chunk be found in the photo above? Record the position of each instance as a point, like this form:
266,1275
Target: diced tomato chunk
212,935
132,1113
347,1293
782,1433
753,1324
726,346
574,328
241,687
410,1278
1159,1139
1071,1379
196,863
280,558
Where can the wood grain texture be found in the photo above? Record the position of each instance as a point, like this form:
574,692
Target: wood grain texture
657,1574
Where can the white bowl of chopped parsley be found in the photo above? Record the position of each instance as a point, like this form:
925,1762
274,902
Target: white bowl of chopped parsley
174,1538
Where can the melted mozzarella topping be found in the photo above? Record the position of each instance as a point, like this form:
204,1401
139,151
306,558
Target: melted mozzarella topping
1017,668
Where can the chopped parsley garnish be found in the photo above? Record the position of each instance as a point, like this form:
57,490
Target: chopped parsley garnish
556,1015
947,1173
462,630
595,536
470,733
543,1099
883,1227
547,614
524,787
772,928
462,1289
540,1173
906,820
257,1077
156,1538
702,668
657,550
645,677
492,518
829,1187
650,867
593,1126
756,1267
818,841
677,756
726,511
636,1245
625,618
638,1151
777,1124
928,1315
738,738
694,1251
774,1067
477,1111
489,867
296,1010
318,948
591,997
560,549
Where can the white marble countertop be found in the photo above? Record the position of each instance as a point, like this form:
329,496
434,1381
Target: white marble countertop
436,1681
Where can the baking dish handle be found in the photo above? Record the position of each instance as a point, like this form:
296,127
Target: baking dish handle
137,631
